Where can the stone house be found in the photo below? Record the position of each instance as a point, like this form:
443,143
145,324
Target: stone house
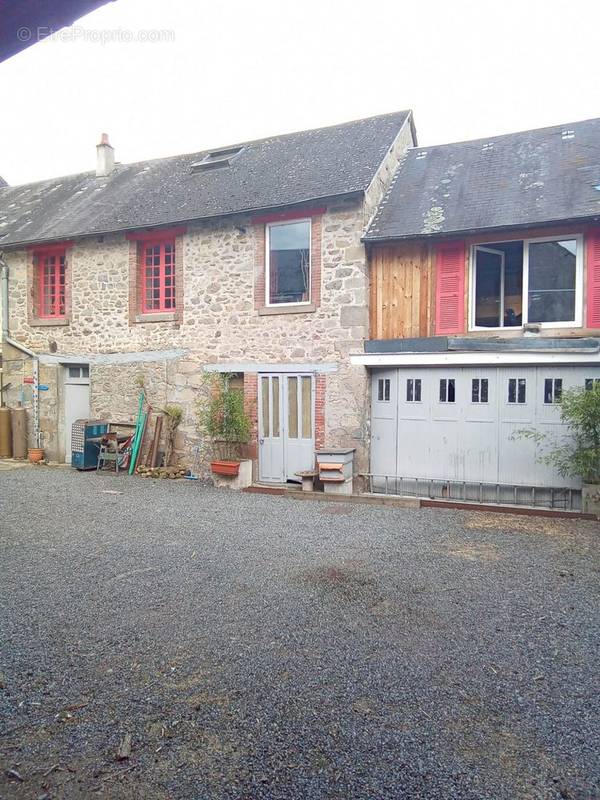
247,259
484,307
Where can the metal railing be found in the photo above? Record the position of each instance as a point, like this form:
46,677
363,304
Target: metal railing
559,497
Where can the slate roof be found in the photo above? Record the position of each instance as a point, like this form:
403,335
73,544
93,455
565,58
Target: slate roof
267,174
519,179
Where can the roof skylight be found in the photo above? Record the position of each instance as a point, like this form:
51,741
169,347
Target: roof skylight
216,159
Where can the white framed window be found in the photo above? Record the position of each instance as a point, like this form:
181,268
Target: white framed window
383,390
552,390
479,390
592,383
527,281
413,390
517,390
288,262
447,390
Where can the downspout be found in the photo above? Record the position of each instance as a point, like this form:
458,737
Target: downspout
18,346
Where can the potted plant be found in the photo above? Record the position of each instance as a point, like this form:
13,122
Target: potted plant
579,455
223,419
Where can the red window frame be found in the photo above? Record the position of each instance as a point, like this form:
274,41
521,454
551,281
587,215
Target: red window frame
157,276
51,279
156,269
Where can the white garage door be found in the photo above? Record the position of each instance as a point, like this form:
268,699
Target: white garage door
461,424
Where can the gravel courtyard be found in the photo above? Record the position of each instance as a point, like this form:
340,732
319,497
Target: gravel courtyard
258,647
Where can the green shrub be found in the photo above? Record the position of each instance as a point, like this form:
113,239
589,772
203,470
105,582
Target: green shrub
222,417
580,455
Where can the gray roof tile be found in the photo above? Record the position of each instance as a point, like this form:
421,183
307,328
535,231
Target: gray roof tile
269,173
528,178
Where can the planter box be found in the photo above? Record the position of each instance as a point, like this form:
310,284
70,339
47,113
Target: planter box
590,498
238,478
225,467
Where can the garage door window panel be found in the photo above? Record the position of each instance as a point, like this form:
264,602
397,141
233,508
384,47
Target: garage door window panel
383,390
552,390
479,390
447,390
413,390
517,390
529,281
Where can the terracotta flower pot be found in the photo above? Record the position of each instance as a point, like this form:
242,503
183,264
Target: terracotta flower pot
36,454
225,467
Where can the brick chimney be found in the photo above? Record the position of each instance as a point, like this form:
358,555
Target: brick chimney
105,157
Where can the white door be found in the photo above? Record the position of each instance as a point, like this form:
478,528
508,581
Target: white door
77,400
286,426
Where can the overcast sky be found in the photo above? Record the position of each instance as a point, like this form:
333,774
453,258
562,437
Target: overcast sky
234,70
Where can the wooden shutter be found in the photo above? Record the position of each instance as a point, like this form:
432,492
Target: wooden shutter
593,278
450,289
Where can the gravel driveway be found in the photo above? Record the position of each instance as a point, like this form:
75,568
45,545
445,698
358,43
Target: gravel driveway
257,647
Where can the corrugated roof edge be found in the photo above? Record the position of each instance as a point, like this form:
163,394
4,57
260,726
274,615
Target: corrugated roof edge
184,221
545,223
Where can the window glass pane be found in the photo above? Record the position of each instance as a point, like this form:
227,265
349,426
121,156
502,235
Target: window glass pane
264,389
488,282
306,407
410,389
512,390
475,390
451,393
496,306
552,270
442,390
383,389
513,284
85,372
275,389
517,390
418,390
292,408
484,390
289,262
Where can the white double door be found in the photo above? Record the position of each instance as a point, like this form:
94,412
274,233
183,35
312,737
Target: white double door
286,424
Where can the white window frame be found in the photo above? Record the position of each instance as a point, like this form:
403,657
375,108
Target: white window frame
575,323
268,226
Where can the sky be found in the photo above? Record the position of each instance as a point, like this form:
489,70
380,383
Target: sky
226,72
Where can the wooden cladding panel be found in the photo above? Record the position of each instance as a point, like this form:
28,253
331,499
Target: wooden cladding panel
400,304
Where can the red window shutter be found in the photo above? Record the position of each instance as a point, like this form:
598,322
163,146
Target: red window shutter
450,289
593,278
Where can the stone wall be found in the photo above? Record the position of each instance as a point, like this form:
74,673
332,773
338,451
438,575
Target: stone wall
218,322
